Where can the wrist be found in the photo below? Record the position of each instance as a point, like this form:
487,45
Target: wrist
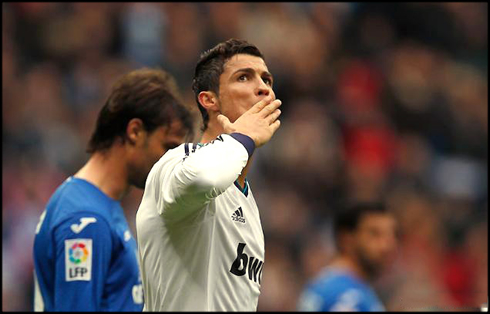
246,141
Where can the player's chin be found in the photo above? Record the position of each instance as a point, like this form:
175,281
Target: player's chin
140,181
382,264
140,185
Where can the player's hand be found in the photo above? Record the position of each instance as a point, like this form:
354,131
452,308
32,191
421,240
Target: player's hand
259,122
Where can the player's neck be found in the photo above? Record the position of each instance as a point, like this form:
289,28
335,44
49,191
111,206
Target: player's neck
350,265
212,131
210,134
107,172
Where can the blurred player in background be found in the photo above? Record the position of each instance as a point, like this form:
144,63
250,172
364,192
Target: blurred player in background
200,239
84,254
366,242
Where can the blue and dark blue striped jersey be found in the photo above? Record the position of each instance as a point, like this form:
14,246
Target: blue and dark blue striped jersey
85,258
336,290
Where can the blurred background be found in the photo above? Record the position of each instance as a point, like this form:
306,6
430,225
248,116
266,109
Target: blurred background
382,101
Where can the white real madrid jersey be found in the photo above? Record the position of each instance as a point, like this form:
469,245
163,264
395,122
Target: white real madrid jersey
200,240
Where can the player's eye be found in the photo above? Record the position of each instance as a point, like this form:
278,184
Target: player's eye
243,78
267,80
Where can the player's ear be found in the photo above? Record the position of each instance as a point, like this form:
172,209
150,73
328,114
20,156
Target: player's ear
135,131
208,100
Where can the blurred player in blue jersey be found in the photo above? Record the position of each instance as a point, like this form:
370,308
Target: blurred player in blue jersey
85,257
366,241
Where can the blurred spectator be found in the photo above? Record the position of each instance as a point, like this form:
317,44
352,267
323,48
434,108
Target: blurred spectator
143,28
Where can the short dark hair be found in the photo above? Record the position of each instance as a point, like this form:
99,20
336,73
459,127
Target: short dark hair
348,218
211,65
148,94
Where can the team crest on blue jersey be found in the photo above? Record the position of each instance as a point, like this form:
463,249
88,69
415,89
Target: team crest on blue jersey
78,259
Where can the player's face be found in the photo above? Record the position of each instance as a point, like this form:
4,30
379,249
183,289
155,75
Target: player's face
155,145
376,242
244,82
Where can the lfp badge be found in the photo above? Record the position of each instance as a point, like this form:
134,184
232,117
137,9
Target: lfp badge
78,259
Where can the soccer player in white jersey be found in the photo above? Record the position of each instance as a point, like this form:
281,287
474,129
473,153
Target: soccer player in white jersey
200,239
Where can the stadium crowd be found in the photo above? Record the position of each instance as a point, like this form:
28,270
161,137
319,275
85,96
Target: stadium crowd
380,101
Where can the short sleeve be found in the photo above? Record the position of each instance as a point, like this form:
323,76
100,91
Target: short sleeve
83,254
310,301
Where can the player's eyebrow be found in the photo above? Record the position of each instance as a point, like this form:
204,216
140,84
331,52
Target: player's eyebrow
266,74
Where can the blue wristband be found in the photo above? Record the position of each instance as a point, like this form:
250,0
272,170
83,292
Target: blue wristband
246,141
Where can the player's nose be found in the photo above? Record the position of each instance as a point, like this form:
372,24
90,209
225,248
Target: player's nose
263,89
266,94
388,244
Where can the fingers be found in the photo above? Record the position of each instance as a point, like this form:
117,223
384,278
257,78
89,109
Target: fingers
273,116
261,104
274,126
267,110
224,122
